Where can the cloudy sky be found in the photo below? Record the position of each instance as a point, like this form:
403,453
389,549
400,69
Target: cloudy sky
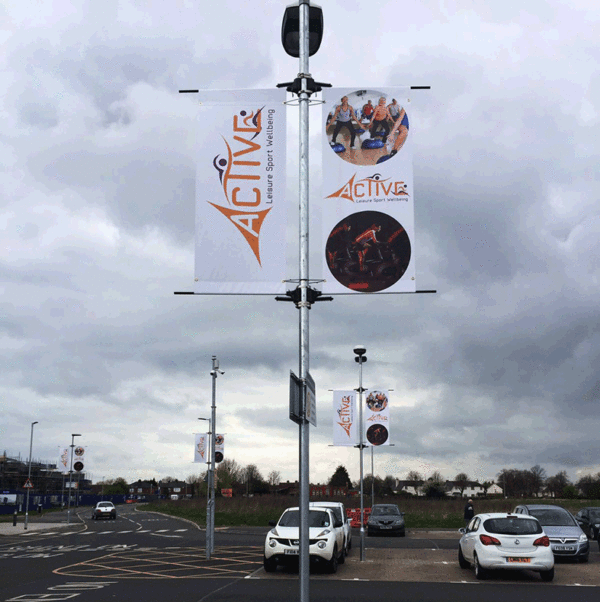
97,179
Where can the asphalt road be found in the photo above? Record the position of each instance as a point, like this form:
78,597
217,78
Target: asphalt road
150,557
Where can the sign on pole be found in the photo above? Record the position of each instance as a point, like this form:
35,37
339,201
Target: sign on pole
28,484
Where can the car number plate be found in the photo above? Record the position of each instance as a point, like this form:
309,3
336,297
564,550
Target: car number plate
293,552
385,527
564,548
516,559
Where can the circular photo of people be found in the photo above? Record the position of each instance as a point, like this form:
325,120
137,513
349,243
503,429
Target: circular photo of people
377,401
79,451
377,434
366,127
368,251
219,439
218,457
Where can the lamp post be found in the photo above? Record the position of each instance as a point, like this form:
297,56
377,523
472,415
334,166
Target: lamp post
208,496
361,358
301,35
29,476
73,435
210,538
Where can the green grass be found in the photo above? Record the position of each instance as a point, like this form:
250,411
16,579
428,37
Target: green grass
419,513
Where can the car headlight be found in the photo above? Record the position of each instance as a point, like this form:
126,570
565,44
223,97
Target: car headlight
583,538
398,522
323,533
272,543
322,545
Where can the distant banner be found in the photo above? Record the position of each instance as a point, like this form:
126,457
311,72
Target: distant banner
63,460
376,417
240,189
367,204
201,448
345,422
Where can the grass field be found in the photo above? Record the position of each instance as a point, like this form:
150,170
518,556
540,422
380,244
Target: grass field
420,513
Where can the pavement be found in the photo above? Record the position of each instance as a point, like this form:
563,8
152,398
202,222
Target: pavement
40,522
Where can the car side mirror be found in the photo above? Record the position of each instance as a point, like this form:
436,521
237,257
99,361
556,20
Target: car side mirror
272,523
462,530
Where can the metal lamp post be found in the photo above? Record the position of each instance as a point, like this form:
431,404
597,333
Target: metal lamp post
361,358
210,536
29,476
73,435
208,495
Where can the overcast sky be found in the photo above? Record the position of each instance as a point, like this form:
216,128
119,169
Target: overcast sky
499,369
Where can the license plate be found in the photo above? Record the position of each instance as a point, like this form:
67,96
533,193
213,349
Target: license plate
292,552
564,548
385,527
515,559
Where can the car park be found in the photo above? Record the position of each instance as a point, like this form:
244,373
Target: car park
567,540
104,510
589,521
505,541
326,539
340,511
386,519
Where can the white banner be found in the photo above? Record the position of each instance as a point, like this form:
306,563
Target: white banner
201,448
219,448
78,455
367,205
63,460
240,192
376,416
345,420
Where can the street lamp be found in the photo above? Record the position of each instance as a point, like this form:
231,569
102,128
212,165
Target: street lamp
208,497
73,435
360,359
29,476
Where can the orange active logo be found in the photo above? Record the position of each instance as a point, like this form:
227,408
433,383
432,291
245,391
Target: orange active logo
239,173
371,186
345,414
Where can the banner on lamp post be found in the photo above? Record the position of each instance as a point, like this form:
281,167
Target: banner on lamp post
201,448
63,460
345,427
376,412
240,187
367,205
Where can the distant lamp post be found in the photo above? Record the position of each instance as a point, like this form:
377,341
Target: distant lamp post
208,517
360,359
29,476
73,435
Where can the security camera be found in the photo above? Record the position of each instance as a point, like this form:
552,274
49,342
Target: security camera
360,349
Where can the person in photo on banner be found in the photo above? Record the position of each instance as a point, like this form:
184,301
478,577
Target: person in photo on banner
401,130
364,241
379,120
343,116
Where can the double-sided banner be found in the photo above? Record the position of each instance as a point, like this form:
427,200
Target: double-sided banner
367,204
240,187
63,460
376,417
219,448
201,448
345,418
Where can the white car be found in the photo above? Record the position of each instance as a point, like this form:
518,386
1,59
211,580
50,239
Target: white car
104,510
505,541
340,512
326,535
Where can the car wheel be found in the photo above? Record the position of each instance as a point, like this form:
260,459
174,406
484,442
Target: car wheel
270,564
462,561
480,572
584,558
342,557
547,575
402,533
332,565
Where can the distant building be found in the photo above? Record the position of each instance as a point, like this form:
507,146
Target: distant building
178,488
141,488
410,487
466,489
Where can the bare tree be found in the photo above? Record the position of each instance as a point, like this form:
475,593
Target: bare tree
274,478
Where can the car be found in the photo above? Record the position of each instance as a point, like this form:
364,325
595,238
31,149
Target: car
566,537
326,535
505,541
104,510
340,512
386,519
589,521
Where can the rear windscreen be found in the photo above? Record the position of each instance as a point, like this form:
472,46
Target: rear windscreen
512,526
553,518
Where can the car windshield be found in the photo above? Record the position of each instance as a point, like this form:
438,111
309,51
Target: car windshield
317,518
512,526
595,514
385,510
550,517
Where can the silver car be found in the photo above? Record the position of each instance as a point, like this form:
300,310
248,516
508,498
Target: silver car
567,540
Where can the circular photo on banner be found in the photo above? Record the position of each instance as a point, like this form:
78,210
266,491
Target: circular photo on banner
366,127
377,401
368,251
79,451
377,434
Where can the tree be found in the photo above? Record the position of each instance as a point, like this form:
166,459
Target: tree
461,480
589,486
557,483
254,480
538,478
434,487
117,486
340,478
274,478
414,477
388,485
229,473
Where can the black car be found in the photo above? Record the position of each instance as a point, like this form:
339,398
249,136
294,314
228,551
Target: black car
589,521
386,519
